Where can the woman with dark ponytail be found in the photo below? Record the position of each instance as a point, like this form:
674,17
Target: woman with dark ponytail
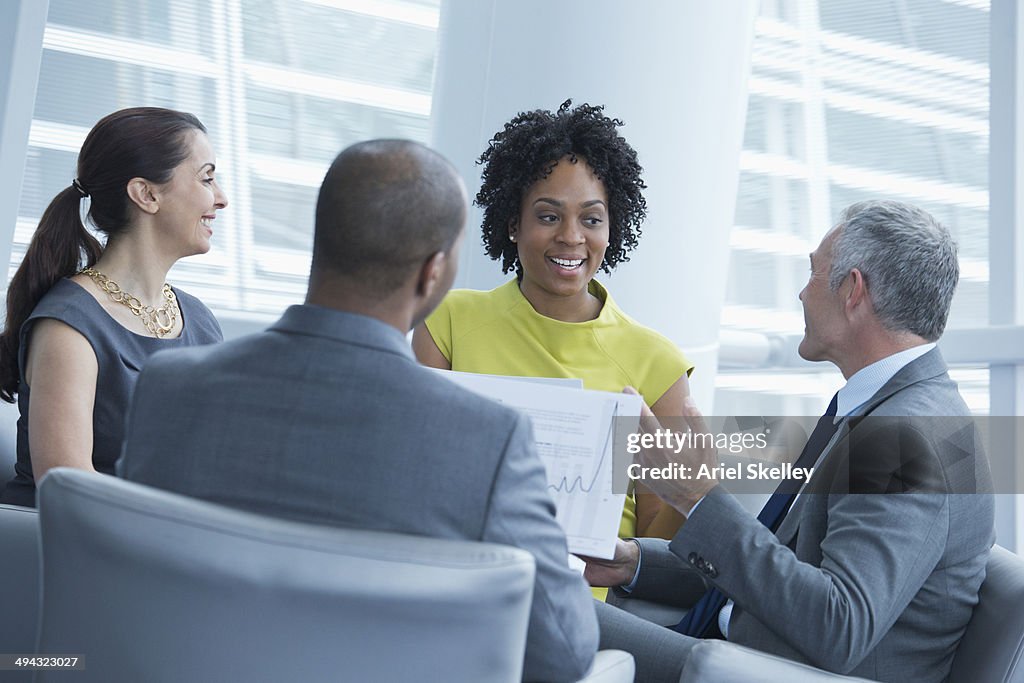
82,317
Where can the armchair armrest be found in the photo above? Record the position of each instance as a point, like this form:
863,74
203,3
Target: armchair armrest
717,660
611,666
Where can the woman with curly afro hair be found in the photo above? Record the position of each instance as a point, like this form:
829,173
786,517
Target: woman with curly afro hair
562,195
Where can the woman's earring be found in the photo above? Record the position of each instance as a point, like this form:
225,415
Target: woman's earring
512,237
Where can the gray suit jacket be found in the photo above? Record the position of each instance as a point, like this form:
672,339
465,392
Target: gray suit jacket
326,417
875,570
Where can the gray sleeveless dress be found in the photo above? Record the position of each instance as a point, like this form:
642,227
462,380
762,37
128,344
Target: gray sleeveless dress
120,355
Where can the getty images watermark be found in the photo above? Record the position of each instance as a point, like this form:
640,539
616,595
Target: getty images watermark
734,443
867,454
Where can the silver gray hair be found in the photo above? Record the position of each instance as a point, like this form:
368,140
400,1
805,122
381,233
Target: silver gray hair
908,260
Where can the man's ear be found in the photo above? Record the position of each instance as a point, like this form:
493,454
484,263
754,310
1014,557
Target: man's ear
143,195
856,291
431,274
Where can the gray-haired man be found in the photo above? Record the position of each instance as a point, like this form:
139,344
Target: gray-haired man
875,567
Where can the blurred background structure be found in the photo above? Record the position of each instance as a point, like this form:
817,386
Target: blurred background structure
757,123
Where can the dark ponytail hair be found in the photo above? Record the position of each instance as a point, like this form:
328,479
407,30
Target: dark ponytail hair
144,142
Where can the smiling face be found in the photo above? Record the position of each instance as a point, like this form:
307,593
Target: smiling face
189,201
562,234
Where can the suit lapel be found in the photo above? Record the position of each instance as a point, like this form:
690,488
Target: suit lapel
787,530
926,367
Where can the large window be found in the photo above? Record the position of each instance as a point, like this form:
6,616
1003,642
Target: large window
852,100
849,99
282,85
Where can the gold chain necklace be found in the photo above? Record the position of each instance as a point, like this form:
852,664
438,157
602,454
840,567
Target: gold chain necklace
159,321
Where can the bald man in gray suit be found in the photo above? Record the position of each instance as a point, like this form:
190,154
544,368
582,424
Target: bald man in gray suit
326,417
875,568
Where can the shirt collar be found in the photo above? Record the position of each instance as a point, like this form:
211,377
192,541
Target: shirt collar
866,382
352,328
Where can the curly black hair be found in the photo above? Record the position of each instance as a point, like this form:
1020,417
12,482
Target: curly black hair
526,151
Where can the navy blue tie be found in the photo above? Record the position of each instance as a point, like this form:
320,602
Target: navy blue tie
701,620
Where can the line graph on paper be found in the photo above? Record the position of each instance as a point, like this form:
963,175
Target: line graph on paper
576,449
572,431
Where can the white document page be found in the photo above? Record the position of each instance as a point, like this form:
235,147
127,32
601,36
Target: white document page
573,432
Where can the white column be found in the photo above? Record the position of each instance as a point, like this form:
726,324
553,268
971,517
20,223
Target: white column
22,23
1006,241
675,72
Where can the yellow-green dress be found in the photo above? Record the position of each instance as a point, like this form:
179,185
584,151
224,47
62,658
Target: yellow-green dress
498,332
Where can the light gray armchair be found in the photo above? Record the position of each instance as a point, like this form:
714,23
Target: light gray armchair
992,649
152,586
8,440
149,585
19,583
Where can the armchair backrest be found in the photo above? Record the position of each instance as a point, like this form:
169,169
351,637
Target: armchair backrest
149,585
993,645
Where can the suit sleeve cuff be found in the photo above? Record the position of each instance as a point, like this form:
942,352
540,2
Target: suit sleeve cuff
629,587
689,513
